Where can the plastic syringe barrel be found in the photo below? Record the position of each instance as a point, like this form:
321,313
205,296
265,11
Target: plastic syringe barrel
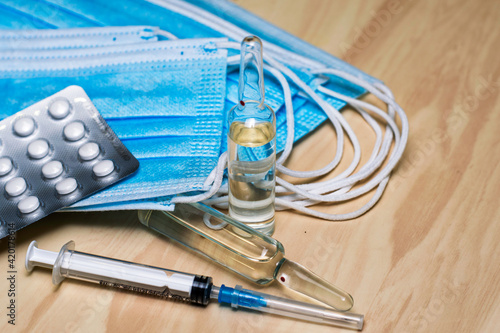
120,274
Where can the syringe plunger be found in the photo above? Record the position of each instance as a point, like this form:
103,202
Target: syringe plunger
120,274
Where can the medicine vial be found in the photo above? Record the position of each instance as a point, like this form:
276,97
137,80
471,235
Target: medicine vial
252,145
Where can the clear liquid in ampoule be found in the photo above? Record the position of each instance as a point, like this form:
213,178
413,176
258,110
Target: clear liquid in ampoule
252,144
252,173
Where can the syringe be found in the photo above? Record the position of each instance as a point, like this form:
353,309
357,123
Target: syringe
166,283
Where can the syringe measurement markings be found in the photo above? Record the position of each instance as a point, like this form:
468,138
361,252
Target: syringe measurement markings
163,294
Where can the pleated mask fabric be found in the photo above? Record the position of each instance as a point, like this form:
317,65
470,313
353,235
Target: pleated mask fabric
164,100
50,39
174,16
184,20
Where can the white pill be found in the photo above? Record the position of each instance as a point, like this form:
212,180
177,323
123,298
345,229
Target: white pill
66,186
38,149
16,186
103,168
5,166
52,169
59,109
74,131
28,205
24,126
88,151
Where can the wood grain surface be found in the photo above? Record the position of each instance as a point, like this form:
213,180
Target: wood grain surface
426,258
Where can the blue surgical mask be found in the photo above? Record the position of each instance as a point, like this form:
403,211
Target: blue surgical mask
220,11
21,45
165,100
145,144
185,20
39,14
50,39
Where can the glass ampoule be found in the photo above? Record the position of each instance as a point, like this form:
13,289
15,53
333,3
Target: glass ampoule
252,145
243,250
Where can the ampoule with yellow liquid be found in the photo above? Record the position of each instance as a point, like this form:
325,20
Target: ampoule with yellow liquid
252,145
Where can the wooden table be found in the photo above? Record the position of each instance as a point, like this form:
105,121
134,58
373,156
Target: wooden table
425,259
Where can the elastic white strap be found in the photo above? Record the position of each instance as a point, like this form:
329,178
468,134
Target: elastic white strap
217,174
341,187
166,34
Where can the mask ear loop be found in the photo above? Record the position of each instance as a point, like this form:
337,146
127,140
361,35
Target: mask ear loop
215,176
290,118
290,125
339,123
289,110
378,155
376,159
287,202
166,34
388,140
297,188
334,115
368,118
383,93
383,183
375,152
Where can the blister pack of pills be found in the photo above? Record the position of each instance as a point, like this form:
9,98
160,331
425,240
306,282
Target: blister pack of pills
53,154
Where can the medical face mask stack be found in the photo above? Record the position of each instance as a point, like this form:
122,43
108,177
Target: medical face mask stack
163,73
163,99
